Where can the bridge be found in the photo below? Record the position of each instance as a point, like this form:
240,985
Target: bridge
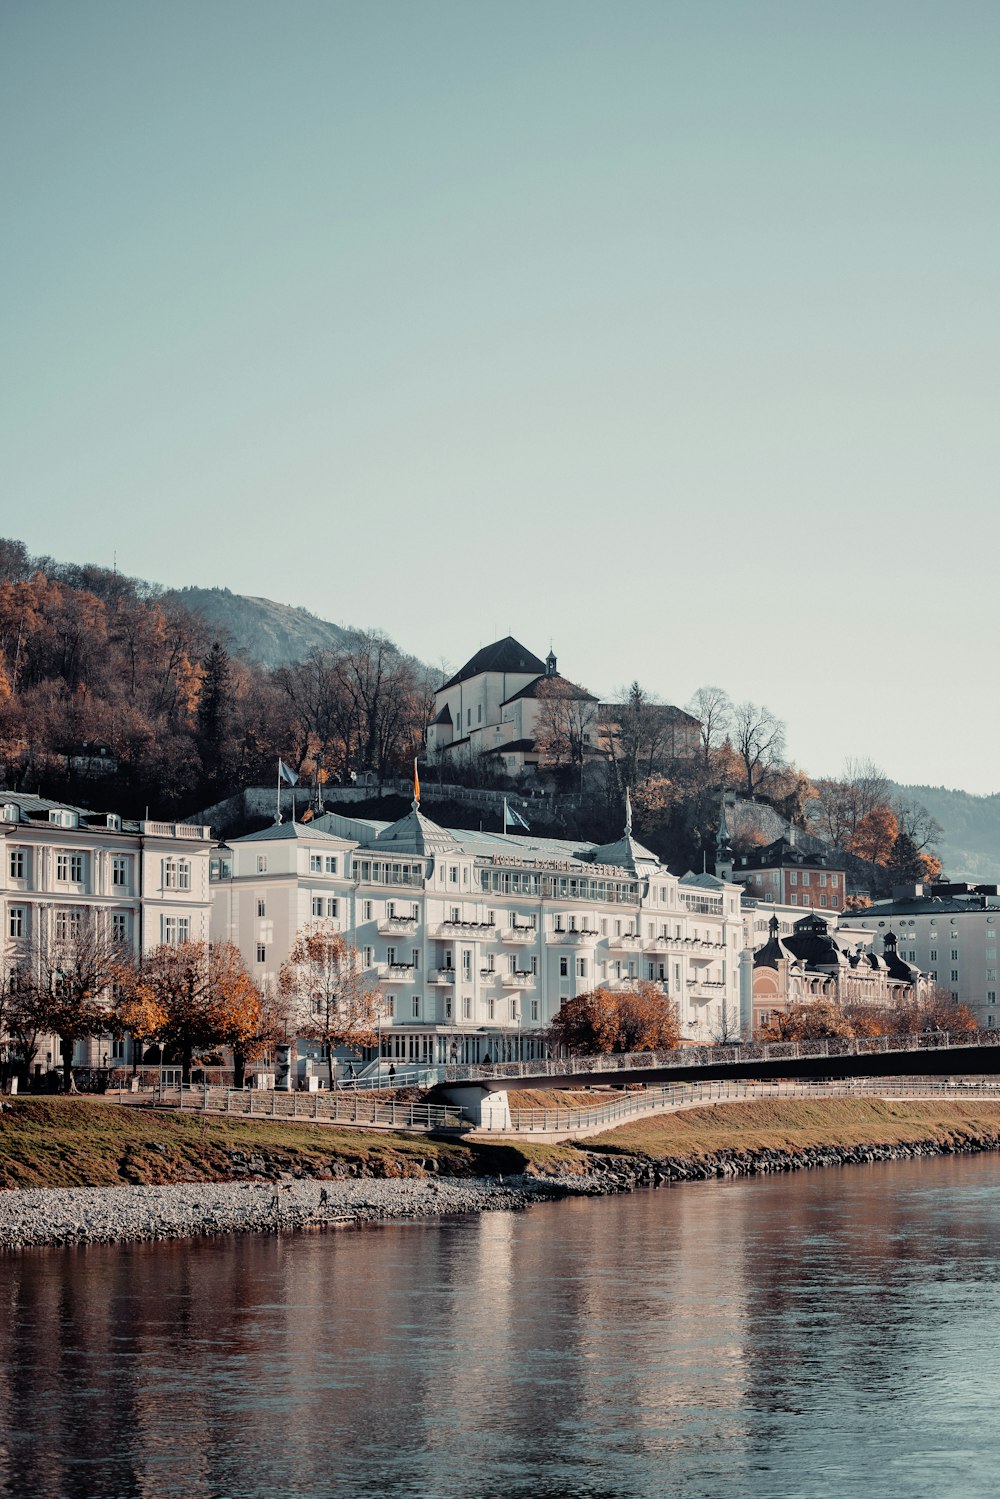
927,1054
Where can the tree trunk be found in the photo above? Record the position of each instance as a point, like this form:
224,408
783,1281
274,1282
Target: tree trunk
186,1065
69,1081
329,1062
239,1069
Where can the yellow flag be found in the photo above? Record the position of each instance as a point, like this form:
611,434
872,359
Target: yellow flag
416,782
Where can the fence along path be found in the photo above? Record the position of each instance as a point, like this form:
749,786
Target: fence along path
685,1095
313,1108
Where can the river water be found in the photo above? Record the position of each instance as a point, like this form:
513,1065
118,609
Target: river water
831,1333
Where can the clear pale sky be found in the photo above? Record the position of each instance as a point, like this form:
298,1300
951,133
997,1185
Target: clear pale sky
667,332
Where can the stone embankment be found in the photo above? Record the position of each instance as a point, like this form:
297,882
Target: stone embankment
122,1215
622,1173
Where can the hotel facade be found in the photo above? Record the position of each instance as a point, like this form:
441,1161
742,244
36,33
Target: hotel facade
476,939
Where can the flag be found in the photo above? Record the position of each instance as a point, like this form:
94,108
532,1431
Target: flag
416,783
307,815
286,775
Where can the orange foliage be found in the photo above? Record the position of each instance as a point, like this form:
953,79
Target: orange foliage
639,1018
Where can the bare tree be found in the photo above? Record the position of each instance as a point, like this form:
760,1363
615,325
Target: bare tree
74,969
759,739
713,710
566,727
918,824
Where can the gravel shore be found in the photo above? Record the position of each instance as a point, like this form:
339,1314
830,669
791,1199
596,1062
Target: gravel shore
121,1215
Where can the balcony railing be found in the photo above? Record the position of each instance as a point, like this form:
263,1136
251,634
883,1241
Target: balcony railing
523,934
625,942
441,976
470,929
396,926
397,973
522,979
578,936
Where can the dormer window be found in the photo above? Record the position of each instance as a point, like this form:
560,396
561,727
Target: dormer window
114,822
62,817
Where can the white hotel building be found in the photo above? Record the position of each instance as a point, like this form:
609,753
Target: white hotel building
477,938
145,882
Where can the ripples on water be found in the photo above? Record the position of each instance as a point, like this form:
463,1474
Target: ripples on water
832,1334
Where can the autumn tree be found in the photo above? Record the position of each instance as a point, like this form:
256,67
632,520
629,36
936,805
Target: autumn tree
206,995
324,986
640,1018
136,1011
758,737
875,836
815,1021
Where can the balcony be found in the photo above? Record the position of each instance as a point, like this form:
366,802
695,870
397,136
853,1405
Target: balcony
441,976
579,937
521,934
522,979
625,942
396,926
474,930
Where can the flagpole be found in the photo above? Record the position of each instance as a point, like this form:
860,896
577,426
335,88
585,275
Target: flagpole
277,794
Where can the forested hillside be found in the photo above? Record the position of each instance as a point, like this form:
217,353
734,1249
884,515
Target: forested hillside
970,844
115,693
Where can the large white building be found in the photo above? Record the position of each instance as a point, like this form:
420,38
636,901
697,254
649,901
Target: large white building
950,932
144,882
477,938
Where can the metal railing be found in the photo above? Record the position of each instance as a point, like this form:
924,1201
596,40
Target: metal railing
713,1056
312,1108
571,1120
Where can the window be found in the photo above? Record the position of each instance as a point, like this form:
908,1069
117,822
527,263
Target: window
933,954
452,874
315,863
415,958
534,964
954,954
17,922
954,975
534,1009
62,866
793,877
261,952
261,908
177,874
834,880
822,900
366,957
991,975
416,1006
366,910
822,883
390,1006
490,963
17,864
174,930
390,956
317,905
466,1008
69,925
466,963
581,968
119,870
479,714
454,915
559,924
119,926
492,1009
513,1009
262,863
332,906
564,968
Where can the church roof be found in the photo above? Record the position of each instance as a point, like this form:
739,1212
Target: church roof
444,717
506,656
554,686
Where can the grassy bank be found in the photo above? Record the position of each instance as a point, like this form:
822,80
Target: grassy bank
795,1124
55,1142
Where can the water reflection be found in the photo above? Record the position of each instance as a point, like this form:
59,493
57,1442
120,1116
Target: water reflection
829,1334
